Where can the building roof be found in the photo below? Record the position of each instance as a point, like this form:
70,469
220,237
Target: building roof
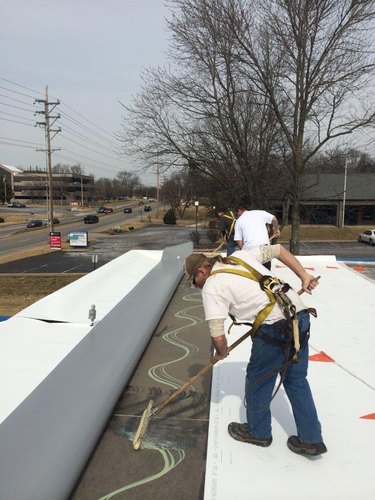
341,373
9,168
331,186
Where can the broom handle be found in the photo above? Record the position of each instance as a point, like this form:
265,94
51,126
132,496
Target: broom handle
181,389
205,369
201,372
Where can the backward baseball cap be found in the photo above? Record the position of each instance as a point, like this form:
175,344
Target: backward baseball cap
192,263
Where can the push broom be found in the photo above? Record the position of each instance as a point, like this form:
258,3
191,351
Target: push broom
150,412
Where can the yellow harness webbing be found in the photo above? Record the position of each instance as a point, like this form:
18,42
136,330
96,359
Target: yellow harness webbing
254,275
233,219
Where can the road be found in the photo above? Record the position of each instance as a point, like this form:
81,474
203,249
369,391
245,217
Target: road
156,237
19,238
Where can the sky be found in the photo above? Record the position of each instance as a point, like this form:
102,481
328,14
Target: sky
91,55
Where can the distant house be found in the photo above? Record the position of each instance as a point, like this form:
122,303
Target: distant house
325,198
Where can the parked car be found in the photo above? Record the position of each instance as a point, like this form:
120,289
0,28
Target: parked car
55,221
147,208
104,210
34,223
141,202
91,219
128,210
16,205
368,236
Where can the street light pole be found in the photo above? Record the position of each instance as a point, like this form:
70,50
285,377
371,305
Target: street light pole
344,193
196,203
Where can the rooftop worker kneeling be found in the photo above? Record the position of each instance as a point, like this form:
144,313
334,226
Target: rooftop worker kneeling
239,286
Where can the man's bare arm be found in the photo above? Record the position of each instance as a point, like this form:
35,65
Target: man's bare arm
308,281
220,346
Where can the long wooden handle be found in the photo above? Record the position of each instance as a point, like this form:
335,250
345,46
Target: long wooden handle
181,389
204,370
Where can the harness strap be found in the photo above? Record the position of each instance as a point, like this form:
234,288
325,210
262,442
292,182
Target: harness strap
254,275
233,219
274,289
273,297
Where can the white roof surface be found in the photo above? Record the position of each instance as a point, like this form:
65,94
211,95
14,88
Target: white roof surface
342,378
35,340
15,170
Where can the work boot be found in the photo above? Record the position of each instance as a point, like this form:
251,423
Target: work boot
295,444
240,432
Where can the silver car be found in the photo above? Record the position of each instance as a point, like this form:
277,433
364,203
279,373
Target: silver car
368,236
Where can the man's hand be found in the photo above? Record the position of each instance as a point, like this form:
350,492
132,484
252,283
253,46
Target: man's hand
218,357
221,347
275,234
309,282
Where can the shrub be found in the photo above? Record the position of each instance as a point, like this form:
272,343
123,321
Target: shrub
195,237
169,217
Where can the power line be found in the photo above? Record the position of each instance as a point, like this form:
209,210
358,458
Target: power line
14,99
14,121
18,140
22,86
17,145
109,143
15,107
19,93
86,147
69,118
74,160
89,121
16,116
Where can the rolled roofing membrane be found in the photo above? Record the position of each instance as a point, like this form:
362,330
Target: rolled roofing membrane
342,378
60,376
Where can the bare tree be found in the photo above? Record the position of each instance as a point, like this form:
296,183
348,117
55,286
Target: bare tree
204,116
61,168
313,60
259,86
177,191
129,181
77,169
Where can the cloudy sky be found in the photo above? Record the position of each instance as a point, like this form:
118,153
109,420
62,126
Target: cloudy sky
90,54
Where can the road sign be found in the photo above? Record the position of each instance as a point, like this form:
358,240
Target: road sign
55,239
78,239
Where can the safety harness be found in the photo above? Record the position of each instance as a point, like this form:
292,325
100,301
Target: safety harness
232,218
276,292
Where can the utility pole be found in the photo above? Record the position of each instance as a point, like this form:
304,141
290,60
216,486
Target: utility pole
157,182
48,108
81,191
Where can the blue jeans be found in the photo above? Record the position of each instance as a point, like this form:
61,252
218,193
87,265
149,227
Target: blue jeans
268,353
231,247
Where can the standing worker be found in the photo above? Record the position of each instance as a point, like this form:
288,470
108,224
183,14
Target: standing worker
227,223
280,338
251,229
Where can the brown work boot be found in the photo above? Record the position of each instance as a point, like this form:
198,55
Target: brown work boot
240,432
297,446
